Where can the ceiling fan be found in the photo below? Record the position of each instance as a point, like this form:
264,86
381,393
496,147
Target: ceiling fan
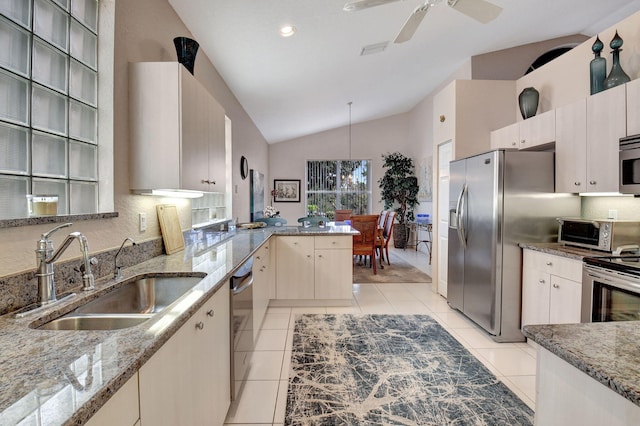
480,10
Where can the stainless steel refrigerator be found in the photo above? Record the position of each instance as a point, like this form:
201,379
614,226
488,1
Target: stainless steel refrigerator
497,200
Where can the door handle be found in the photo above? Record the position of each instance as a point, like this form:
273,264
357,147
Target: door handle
461,216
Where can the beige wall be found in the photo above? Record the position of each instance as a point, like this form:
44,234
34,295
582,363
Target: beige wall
369,141
144,31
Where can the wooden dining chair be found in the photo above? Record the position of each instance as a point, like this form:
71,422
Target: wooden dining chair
382,243
364,244
342,215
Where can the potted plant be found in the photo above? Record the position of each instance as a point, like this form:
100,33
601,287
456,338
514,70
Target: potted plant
399,187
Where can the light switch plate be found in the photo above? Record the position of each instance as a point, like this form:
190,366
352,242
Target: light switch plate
613,214
142,218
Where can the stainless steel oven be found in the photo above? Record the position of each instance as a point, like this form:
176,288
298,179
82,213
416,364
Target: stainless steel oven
611,289
242,344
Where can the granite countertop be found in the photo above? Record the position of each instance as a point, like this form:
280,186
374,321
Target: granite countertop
606,351
559,249
63,377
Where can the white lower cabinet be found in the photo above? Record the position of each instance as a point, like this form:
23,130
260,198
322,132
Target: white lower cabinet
187,381
551,289
314,267
263,277
121,409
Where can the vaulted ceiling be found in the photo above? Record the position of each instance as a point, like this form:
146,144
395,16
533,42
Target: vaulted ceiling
300,85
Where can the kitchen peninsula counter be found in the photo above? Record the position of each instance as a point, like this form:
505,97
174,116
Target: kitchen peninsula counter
605,351
44,372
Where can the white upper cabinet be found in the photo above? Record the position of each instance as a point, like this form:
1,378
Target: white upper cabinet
177,130
533,133
506,137
571,147
587,142
538,130
606,124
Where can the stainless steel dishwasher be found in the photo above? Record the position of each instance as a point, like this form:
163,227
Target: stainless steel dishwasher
242,343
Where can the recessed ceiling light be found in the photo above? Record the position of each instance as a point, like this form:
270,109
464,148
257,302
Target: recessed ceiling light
287,30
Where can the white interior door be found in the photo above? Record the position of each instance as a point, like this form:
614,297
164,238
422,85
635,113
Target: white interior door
445,155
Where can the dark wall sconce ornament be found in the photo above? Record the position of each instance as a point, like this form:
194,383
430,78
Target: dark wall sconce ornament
617,76
186,49
528,102
597,67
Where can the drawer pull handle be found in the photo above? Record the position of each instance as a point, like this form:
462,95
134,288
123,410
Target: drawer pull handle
549,263
556,286
199,325
541,281
211,312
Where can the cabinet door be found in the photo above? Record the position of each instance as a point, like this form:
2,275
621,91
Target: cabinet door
216,137
187,381
194,165
606,124
535,296
260,288
565,301
506,137
211,361
166,391
633,107
121,409
538,130
571,147
333,273
295,268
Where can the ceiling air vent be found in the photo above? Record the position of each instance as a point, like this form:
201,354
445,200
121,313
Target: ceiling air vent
374,48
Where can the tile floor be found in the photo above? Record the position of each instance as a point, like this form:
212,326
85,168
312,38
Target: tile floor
264,393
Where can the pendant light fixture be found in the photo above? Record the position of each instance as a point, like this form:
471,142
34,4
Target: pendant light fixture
349,103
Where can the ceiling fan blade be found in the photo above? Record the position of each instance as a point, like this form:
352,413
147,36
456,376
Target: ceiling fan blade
412,24
480,10
355,5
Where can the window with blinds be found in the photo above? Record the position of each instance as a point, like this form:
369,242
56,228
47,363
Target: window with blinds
338,185
48,105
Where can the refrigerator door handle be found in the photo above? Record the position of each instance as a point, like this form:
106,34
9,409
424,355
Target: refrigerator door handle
460,216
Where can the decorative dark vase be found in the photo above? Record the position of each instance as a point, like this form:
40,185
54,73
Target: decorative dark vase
528,101
617,76
597,68
186,49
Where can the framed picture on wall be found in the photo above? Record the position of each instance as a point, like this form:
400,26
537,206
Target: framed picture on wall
286,190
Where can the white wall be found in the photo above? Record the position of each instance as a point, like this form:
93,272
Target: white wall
369,141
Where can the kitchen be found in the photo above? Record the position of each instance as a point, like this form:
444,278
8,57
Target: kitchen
141,38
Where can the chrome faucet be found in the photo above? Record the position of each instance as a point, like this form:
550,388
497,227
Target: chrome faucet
117,270
45,257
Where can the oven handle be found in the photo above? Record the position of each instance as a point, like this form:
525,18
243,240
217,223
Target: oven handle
614,278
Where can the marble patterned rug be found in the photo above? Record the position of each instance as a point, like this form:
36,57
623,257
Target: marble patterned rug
391,370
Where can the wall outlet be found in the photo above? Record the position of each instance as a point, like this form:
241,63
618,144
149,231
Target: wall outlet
142,219
613,214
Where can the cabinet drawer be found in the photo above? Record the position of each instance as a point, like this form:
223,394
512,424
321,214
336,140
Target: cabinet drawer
334,242
570,269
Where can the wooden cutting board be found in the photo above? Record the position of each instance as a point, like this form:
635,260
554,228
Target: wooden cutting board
170,227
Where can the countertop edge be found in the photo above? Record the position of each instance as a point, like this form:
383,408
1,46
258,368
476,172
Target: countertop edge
549,338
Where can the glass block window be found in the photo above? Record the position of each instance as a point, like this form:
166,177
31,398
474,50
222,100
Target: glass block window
48,104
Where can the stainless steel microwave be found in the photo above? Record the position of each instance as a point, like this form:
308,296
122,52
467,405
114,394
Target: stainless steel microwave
630,165
599,234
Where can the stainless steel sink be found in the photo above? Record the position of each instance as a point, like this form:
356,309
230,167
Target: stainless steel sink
95,322
147,295
129,305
